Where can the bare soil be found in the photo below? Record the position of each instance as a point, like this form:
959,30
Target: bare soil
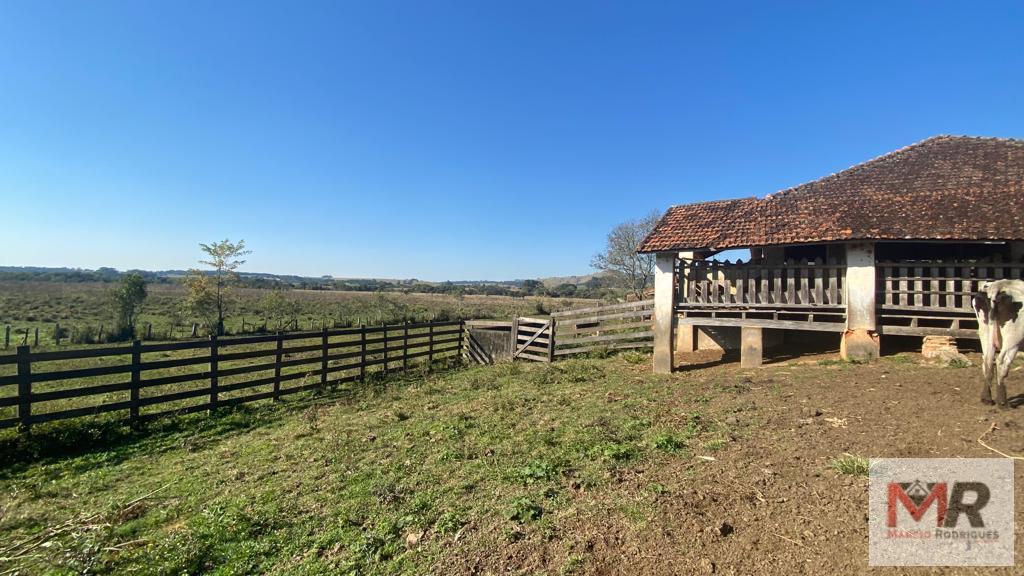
768,502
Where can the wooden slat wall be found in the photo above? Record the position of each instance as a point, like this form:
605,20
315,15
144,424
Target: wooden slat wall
939,286
271,365
792,285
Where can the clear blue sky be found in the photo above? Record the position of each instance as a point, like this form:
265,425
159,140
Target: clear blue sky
455,140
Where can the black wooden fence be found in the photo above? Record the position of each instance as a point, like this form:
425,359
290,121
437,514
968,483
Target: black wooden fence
314,359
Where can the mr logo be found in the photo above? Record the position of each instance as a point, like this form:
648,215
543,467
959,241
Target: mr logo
917,497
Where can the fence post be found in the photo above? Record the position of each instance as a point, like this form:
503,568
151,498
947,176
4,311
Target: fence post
462,337
385,326
7,337
56,334
362,353
515,336
277,367
405,346
430,346
133,409
551,340
213,373
24,388
149,331
37,337
323,359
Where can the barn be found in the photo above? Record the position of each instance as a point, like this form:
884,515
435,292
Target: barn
893,246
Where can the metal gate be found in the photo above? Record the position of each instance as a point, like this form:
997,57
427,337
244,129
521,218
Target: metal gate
533,338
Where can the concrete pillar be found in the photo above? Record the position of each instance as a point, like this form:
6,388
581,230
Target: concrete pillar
860,341
686,337
751,347
664,310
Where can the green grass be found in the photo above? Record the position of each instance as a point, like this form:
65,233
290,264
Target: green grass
339,482
850,465
83,308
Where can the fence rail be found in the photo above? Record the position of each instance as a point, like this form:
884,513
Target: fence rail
140,376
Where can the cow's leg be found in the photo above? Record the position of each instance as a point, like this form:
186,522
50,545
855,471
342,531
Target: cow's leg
988,360
1006,357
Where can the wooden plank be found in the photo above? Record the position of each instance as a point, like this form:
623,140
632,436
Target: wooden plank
620,346
927,331
601,309
279,349
819,284
536,357
764,323
136,379
950,301
566,333
614,316
81,354
610,337
902,286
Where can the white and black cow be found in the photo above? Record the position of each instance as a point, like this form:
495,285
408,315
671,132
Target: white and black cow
1001,330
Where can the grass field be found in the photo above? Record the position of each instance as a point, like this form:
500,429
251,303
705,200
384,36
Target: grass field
375,480
83,307
584,466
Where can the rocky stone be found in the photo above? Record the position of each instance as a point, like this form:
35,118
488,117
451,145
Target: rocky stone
942,350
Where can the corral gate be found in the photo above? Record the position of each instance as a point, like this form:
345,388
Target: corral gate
532,339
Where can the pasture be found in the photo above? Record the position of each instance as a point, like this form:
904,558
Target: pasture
585,466
83,307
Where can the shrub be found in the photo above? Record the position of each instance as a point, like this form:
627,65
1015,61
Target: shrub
850,464
524,510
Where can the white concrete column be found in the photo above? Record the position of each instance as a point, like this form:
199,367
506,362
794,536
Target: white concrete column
860,341
664,310
751,347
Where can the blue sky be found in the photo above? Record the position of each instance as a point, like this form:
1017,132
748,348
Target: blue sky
455,140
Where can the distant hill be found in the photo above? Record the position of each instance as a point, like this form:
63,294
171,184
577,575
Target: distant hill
584,286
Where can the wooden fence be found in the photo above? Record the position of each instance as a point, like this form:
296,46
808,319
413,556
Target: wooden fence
938,286
136,378
618,326
707,283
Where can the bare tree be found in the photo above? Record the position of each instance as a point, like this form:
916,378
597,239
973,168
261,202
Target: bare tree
632,271
209,292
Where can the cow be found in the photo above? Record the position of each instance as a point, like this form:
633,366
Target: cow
1001,331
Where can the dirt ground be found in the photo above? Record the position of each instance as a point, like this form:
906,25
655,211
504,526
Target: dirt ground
768,502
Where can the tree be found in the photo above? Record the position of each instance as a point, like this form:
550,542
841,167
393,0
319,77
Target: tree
278,308
534,288
201,301
564,290
633,271
209,292
126,298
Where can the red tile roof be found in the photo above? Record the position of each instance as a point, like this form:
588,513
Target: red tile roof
942,188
